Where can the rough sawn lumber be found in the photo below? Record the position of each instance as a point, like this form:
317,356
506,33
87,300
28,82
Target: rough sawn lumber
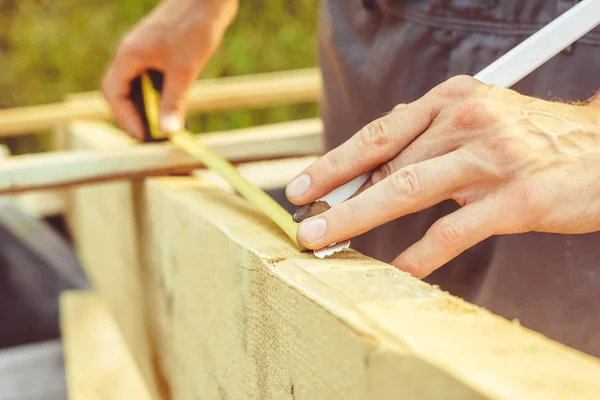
254,318
244,315
214,302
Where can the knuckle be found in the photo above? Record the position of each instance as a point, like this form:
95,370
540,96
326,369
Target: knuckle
449,233
182,71
128,48
374,136
400,108
404,183
132,47
350,213
474,114
412,264
173,103
381,173
457,87
332,161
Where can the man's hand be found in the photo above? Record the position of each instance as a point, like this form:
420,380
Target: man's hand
513,163
178,38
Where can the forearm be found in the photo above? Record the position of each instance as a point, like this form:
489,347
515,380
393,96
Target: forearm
222,11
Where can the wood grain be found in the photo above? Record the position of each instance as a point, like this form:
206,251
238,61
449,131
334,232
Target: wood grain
214,302
345,327
239,313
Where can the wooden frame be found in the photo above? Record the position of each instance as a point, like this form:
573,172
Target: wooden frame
212,301
261,90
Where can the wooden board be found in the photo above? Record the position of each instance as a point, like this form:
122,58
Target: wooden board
124,160
239,313
106,206
346,327
122,280
214,302
39,204
98,364
254,91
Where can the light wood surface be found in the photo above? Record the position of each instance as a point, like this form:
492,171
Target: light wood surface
213,301
239,313
98,364
252,91
344,327
102,220
125,159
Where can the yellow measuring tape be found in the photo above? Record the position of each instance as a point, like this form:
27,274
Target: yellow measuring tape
193,146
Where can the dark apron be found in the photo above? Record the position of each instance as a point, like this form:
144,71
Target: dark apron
376,54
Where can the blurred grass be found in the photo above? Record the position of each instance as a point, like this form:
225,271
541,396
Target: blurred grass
51,48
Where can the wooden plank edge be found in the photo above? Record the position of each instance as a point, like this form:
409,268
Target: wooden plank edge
40,204
63,169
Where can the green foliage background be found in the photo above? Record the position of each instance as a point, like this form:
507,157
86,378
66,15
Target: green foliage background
51,48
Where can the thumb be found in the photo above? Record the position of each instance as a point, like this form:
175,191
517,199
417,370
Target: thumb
173,101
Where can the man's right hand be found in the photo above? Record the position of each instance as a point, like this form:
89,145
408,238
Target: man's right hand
177,38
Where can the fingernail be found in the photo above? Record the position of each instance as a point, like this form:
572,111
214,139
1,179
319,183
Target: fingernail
298,186
170,123
312,230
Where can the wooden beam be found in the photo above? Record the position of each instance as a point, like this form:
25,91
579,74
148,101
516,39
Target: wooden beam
214,302
59,169
39,204
98,364
111,201
239,313
344,327
253,91
92,206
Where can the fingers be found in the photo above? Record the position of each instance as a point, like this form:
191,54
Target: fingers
115,88
129,63
448,237
406,191
178,80
373,145
437,142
